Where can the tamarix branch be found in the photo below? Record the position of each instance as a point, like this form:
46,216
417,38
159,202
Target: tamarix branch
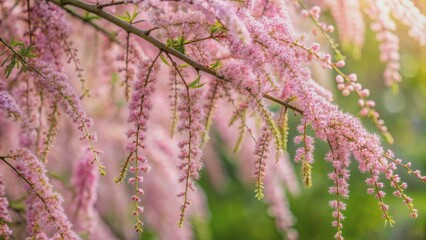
168,82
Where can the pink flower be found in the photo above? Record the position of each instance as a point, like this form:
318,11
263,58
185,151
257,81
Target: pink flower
5,218
43,206
190,124
85,182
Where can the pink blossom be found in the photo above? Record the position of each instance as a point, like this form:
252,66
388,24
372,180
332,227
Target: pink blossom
5,218
348,17
10,107
85,182
384,26
44,210
260,165
190,124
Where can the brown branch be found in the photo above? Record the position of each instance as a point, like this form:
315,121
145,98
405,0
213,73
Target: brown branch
100,6
109,35
129,28
283,103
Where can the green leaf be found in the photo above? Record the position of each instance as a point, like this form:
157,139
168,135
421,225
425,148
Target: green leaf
14,43
199,85
215,65
216,27
195,82
129,18
181,40
16,60
177,44
164,60
180,48
90,17
213,29
10,67
124,18
31,55
135,14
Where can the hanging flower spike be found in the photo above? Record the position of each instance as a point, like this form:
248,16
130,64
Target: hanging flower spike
305,154
44,209
340,159
85,182
5,218
261,152
190,124
56,84
140,107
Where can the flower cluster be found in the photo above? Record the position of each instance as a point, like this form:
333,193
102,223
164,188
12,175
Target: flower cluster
47,23
384,26
85,181
9,105
140,108
262,151
190,124
56,84
5,218
43,206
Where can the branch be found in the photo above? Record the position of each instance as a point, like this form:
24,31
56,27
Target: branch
109,35
129,28
100,6
134,30
283,103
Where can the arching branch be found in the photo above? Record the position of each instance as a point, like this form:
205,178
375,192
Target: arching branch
95,9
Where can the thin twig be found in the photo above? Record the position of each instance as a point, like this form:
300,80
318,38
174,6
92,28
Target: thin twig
100,6
109,35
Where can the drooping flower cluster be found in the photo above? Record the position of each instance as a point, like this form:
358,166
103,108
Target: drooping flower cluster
385,27
13,111
9,106
411,16
140,109
85,181
61,92
131,59
348,17
260,165
5,231
339,158
161,188
43,205
276,197
50,31
190,124
305,154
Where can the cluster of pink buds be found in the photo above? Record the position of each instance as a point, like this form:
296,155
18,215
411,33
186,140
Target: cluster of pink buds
315,13
350,85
